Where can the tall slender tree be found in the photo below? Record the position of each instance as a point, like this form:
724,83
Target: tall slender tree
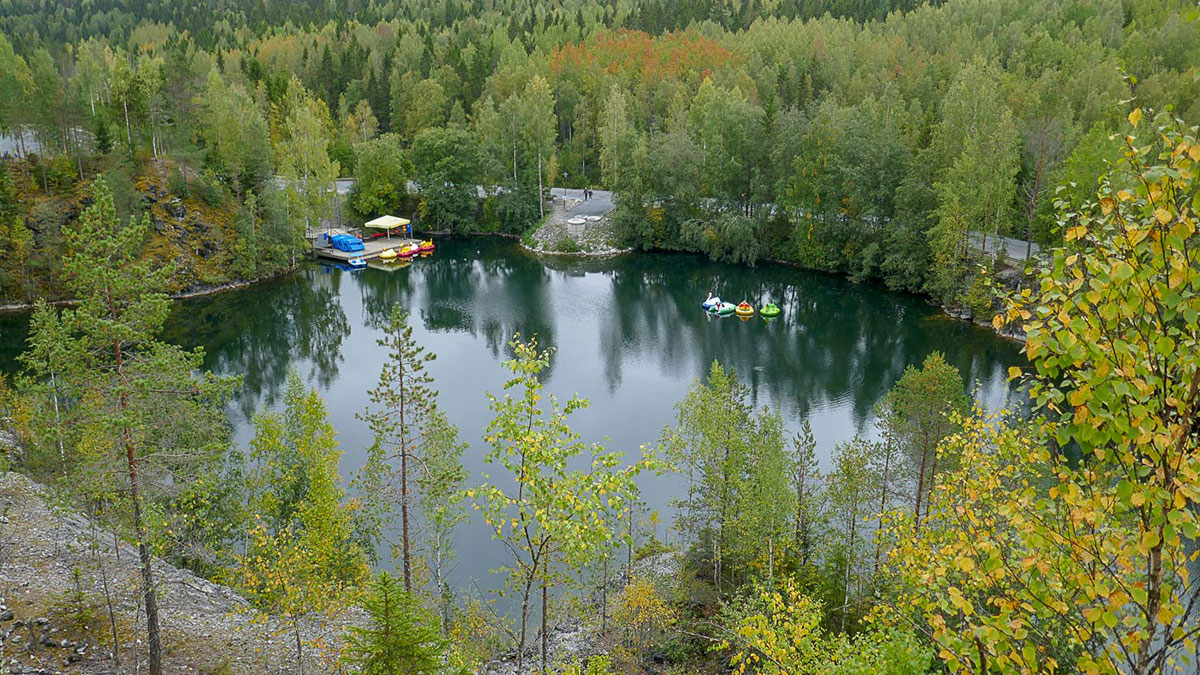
301,556
403,403
918,413
544,512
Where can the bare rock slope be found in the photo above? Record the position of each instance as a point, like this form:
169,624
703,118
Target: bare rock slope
69,591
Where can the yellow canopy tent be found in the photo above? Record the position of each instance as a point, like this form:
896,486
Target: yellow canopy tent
387,223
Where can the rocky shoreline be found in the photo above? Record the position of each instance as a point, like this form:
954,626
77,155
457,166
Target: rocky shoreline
196,292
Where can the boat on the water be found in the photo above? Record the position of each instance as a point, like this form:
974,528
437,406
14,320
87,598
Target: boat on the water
770,310
426,246
721,309
388,254
406,251
711,302
744,309
357,264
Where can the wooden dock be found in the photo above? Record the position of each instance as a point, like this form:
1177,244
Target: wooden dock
371,248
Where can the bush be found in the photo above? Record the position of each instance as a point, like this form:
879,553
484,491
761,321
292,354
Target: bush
211,191
528,240
731,237
62,174
979,296
651,548
567,244
596,665
178,184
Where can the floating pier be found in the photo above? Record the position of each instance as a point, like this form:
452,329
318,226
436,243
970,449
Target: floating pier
371,248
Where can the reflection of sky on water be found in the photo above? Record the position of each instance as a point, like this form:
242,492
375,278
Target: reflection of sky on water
629,335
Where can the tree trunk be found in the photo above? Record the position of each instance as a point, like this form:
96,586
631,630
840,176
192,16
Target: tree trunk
1035,199
524,623
1154,579
920,488
770,560
299,649
443,591
112,615
887,461
128,133
404,544
545,626
604,598
933,455
541,201
629,548
849,557
62,450
135,492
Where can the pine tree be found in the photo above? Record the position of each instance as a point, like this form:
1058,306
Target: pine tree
130,386
916,415
410,436
806,482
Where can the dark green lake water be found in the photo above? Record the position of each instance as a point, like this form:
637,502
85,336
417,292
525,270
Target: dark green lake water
629,332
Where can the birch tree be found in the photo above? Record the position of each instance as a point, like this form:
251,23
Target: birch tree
544,512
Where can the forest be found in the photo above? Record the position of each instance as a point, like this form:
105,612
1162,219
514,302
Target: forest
878,145
165,146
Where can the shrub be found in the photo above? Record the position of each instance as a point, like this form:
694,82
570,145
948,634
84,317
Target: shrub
567,244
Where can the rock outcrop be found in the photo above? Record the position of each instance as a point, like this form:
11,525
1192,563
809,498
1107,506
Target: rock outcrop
62,574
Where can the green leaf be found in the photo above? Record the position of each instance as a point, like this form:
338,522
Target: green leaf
1164,346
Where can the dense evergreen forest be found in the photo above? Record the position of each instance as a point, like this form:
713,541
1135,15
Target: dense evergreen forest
855,142
163,145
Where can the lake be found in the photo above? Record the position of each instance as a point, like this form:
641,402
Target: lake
629,334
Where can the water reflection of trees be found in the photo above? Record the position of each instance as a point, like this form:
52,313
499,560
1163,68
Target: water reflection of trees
836,343
262,331
483,287
13,331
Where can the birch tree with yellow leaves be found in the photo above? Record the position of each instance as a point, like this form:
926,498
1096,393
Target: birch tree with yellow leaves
1068,545
301,559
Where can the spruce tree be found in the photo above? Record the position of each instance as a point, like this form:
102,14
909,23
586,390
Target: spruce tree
401,637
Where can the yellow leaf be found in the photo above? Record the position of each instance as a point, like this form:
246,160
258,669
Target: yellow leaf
1135,116
1163,215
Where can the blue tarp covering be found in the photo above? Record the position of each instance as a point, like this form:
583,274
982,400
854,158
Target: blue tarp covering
345,242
